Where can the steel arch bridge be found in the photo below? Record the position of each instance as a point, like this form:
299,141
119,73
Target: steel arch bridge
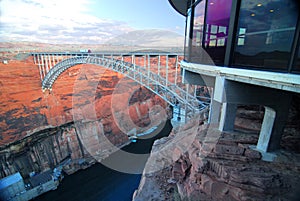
170,92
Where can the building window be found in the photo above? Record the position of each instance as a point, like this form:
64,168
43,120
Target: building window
209,32
241,36
197,53
297,63
216,29
265,34
187,35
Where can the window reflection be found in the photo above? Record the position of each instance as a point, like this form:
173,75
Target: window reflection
297,64
198,55
265,33
187,36
216,29
210,36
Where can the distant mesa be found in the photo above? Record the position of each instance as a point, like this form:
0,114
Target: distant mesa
154,39
148,38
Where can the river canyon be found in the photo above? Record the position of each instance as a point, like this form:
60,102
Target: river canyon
72,122
86,116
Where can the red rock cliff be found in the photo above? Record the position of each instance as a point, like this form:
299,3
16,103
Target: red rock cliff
40,129
198,162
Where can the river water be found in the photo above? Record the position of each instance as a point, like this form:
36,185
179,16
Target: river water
100,183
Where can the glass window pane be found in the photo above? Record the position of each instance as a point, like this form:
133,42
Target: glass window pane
297,64
265,33
187,36
217,23
214,29
222,29
198,55
242,32
221,42
241,41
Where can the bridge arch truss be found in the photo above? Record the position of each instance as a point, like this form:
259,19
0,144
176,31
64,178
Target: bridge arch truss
170,92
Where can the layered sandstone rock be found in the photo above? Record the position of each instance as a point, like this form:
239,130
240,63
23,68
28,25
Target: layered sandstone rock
216,165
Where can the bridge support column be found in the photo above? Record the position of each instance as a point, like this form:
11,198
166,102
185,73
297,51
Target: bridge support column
53,60
46,63
43,66
37,61
50,63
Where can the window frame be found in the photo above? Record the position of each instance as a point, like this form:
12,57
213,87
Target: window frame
233,37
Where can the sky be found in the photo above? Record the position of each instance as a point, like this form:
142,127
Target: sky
83,21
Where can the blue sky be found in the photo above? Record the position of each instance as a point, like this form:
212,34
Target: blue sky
83,21
141,14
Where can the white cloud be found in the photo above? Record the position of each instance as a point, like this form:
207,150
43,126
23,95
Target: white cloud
55,21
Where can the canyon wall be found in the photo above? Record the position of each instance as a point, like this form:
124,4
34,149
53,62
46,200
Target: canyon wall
74,124
202,163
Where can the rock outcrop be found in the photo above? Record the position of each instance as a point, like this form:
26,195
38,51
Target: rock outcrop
216,165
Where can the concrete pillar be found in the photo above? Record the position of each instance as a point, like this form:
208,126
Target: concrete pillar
273,125
219,89
215,112
282,111
266,129
227,117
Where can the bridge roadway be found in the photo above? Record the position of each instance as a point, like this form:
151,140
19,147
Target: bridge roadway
53,64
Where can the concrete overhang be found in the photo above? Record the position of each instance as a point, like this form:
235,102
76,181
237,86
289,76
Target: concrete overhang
276,80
